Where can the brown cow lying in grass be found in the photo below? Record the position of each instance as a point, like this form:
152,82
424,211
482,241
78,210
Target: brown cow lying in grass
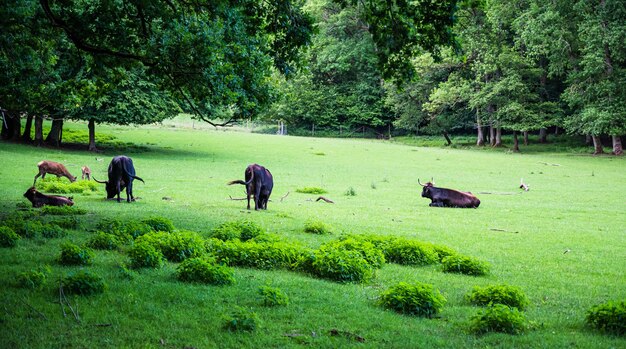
38,199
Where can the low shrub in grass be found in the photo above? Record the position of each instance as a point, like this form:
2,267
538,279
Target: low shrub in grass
464,265
258,255
337,264
317,227
63,210
113,226
83,283
62,186
69,222
242,320
52,231
242,230
8,238
498,294
443,252
410,252
368,251
135,229
159,224
417,299
176,246
351,192
72,254
103,241
311,190
29,229
34,279
272,296
498,318
609,317
145,255
380,242
204,271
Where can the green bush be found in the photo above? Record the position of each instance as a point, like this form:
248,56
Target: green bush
608,317
69,222
204,271
242,320
410,252
115,227
417,299
34,279
29,229
242,230
63,210
8,238
176,246
498,318
72,254
351,192
272,296
317,227
103,241
83,283
136,229
371,254
160,224
311,190
145,255
443,252
51,231
62,186
337,265
251,254
464,265
498,294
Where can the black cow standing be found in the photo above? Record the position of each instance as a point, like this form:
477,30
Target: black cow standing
443,197
259,183
121,175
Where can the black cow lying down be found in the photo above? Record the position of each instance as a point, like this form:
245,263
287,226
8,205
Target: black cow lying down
38,199
443,197
259,183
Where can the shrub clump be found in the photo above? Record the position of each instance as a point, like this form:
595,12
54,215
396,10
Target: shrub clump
273,296
242,320
410,252
337,264
135,229
63,210
29,229
252,254
443,252
311,190
368,251
317,227
417,299
34,279
51,231
72,254
608,317
465,265
60,186
498,318
145,255
176,246
103,241
69,222
204,271
242,230
498,294
160,224
83,283
8,238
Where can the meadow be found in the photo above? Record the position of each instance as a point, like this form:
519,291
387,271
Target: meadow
563,242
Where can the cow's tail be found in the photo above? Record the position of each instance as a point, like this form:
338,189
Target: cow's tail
239,181
130,175
138,178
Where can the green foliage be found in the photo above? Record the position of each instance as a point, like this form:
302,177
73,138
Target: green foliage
204,271
351,192
337,264
511,296
311,190
417,299
29,229
72,254
242,320
410,252
51,231
70,222
317,227
159,224
498,318
83,283
62,186
8,238
273,296
242,230
465,265
34,279
113,226
252,254
368,251
145,255
176,246
103,241
63,210
443,251
609,317
135,229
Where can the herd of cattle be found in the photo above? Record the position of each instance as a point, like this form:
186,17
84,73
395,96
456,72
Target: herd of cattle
257,179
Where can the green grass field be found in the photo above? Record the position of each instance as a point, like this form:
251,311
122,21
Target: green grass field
563,242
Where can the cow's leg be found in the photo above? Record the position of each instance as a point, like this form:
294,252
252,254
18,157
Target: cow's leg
257,196
248,194
117,186
129,192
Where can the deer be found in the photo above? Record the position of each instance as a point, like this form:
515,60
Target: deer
54,168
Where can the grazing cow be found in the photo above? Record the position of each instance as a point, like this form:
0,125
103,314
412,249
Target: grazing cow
442,197
121,175
259,183
38,199
86,172
54,168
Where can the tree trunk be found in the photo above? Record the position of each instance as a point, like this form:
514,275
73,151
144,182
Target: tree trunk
588,139
543,135
597,145
525,137
445,135
56,132
11,126
92,135
617,145
29,124
480,136
492,135
498,141
515,142
38,130
556,130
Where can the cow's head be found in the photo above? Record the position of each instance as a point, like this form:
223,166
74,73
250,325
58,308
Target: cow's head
427,188
111,187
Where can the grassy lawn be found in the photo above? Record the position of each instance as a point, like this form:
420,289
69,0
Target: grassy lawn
563,242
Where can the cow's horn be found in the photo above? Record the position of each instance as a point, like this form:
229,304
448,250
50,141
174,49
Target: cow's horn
418,181
94,178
